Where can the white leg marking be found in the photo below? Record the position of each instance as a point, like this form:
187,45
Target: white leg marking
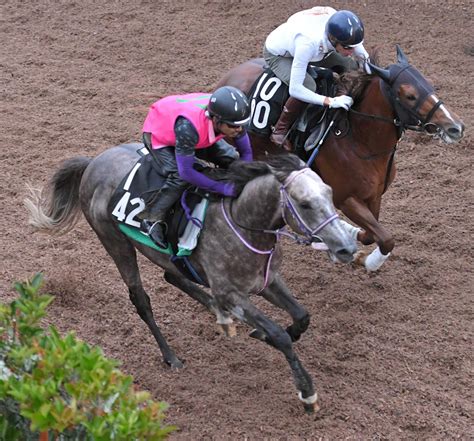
308,400
375,260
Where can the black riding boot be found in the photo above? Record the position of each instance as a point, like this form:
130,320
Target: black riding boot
291,111
156,231
154,224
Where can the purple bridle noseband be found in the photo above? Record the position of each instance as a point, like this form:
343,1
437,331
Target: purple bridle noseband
285,202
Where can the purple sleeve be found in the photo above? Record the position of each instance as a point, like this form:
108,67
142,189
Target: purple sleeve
244,148
189,174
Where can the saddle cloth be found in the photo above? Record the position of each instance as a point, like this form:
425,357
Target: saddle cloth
268,96
184,220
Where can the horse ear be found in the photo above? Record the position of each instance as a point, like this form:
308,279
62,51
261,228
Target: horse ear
401,57
382,73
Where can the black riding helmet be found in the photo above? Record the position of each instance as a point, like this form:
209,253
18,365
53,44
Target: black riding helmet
346,28
229,105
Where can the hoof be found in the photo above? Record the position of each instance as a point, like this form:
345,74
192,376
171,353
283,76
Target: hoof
311,408
175,363
259,335
229,330
310,403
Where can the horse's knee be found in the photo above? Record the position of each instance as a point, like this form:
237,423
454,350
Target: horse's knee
298,327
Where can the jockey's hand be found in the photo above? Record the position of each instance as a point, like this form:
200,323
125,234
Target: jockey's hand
343,101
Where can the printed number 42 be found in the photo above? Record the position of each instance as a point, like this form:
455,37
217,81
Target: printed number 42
120,209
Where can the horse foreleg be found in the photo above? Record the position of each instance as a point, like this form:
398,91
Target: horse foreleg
279,295
125,258
225,323
276,337
359,213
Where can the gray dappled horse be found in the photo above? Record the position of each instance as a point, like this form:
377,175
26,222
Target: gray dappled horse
238,252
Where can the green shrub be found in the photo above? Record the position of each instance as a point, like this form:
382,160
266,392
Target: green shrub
60,388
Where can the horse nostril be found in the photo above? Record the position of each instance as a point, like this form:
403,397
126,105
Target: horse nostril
455,132
346,254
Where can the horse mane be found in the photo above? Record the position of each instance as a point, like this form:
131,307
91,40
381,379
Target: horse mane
242,172
354,83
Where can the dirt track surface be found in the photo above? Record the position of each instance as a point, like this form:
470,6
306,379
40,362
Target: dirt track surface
390,353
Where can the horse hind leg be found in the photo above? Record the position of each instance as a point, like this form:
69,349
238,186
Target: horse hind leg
225,324
276,337
124,255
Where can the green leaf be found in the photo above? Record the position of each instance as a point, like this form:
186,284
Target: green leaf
62,385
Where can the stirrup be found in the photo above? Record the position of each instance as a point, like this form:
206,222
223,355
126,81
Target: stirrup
158,235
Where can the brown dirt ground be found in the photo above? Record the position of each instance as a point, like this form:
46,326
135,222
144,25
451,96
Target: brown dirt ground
391,353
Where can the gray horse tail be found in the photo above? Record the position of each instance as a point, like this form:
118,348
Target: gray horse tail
55,209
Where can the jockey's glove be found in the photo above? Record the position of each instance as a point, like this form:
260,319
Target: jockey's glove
343,101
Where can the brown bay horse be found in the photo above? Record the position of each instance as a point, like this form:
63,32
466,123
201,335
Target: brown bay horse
357,161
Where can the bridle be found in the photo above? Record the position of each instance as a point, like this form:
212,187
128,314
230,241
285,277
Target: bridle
406,118
286,202
309,235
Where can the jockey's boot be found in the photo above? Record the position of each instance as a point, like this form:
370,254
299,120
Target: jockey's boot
291,111
156,232
154,224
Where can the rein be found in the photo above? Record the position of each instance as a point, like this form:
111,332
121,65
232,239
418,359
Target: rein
399,109
393,121
391,151
251,248
285,202
397,105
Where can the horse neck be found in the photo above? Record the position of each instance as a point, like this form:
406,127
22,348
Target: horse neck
258,206
374,133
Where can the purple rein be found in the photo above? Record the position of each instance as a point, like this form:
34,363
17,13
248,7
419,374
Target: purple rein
285,202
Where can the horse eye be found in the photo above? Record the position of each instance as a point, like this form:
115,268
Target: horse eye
305,206
411,97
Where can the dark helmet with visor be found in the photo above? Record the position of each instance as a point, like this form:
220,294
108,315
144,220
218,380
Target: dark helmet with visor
229,105
346,28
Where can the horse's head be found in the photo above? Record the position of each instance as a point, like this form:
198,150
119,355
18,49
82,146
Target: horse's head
415,103
309,210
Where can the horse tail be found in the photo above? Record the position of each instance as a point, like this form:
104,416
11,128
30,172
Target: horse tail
55,209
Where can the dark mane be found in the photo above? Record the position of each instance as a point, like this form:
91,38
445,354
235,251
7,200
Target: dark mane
354,83
240,172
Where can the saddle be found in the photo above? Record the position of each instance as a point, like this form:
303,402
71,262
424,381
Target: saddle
184,220
268,96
